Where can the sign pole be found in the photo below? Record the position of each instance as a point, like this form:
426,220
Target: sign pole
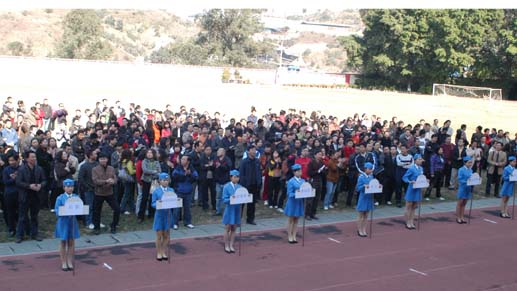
73,256
419,211
471,199
240,235
169,218
513,204
371,218
303,227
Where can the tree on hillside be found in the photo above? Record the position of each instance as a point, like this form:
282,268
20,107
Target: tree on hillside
82,37
226,38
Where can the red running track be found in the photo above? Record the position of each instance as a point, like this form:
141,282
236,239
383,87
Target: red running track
442,256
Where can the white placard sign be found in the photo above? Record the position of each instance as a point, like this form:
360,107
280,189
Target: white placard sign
73,206
373,187
305,191
241,196
474,180
421,182
169,200
513,176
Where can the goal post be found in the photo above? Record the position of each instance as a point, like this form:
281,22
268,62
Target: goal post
467,91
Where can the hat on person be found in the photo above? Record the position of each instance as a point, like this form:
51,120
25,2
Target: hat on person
417,156
163,176
296,167
511,158
467,158
68,183
368,165
234,173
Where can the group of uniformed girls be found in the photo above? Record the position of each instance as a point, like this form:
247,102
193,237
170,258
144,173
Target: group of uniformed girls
67,229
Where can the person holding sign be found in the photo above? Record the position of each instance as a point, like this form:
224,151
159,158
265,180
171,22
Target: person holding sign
365,201
163,220
464,191
294,207
232,213
67,229
507,189
413,195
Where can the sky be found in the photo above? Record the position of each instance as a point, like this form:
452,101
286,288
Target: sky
193,6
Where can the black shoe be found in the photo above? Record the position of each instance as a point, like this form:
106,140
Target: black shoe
96,231
502,215
399,205
359,234
37,238
459,221
251,222
408,227
227,251
113,230
497,196
165,258
232,251
159,259
140,220
290,241
308,218
314,217
295,241
12,234
217,214
70,268
19,240
64,269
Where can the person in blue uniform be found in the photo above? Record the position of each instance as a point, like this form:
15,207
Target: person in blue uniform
413,196
294,207
365,201
464,191
163,218
507,189
232,213
67,229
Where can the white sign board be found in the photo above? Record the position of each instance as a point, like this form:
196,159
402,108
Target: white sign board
169,200
421,182
373,187
513,176
474,180
305,191
73,206
241,196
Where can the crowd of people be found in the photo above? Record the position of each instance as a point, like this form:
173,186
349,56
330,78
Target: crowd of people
116,153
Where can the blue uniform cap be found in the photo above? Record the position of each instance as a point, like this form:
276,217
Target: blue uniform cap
417,156
234,173
467,158
368,165
68,183
296,167
163,176
511,158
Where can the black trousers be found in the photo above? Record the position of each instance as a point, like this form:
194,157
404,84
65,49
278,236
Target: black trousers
388,186
146,192
28,204
352,182
206,185
250,207
493,179
312,203
11,210
283,194
98,201
436,182
447,174
274,189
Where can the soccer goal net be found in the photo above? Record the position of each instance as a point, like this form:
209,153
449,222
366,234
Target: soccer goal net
467,91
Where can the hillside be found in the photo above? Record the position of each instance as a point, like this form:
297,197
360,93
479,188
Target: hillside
135,34
132,34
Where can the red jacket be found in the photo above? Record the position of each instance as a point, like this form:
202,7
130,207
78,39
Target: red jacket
304,162
139,172
448,150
